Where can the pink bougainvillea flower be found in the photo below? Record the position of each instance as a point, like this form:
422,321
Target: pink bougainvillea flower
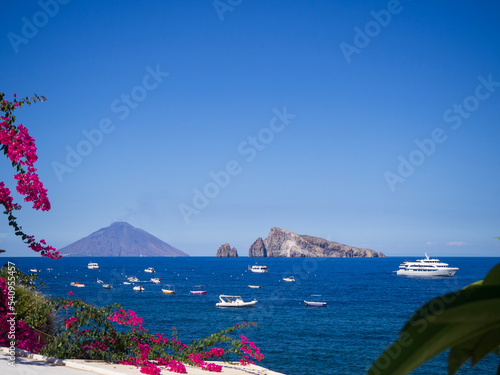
19,147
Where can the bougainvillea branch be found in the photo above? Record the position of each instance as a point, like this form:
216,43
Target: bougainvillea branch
116,335
19,147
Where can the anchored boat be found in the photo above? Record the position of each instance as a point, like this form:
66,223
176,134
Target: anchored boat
258,269
426,267
198,290
314,301
170,289
234,301
315,304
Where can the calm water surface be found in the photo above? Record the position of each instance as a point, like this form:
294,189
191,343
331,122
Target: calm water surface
367,303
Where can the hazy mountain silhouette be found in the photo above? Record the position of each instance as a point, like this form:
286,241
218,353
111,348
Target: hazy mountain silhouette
121,240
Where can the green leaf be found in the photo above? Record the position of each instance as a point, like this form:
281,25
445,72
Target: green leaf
463,320
413,348
475,349
479,303
459,355
477,283
488,343
493,277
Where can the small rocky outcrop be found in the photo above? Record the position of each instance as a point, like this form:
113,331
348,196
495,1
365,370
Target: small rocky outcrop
258,249
225,251
281,243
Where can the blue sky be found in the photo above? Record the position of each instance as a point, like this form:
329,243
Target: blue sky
370,123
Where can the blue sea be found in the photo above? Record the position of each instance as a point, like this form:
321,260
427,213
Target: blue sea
367,303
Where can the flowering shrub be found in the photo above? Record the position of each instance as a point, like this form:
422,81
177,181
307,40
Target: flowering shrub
20,149
117,335
13,329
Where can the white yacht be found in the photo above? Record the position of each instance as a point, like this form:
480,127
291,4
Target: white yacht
258,269
426,267
93,266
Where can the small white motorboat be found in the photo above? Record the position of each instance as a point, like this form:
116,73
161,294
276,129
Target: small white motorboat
254,286
315,304
150,270
138,288
314,301
133,279
126,283
76,284
170,289
155,280
258,269
289,278
107,286
234,301
99,281
93,266
35,270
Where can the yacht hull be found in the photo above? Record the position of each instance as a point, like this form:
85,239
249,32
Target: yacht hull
428,273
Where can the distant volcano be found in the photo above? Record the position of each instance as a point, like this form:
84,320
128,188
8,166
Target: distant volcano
121,240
